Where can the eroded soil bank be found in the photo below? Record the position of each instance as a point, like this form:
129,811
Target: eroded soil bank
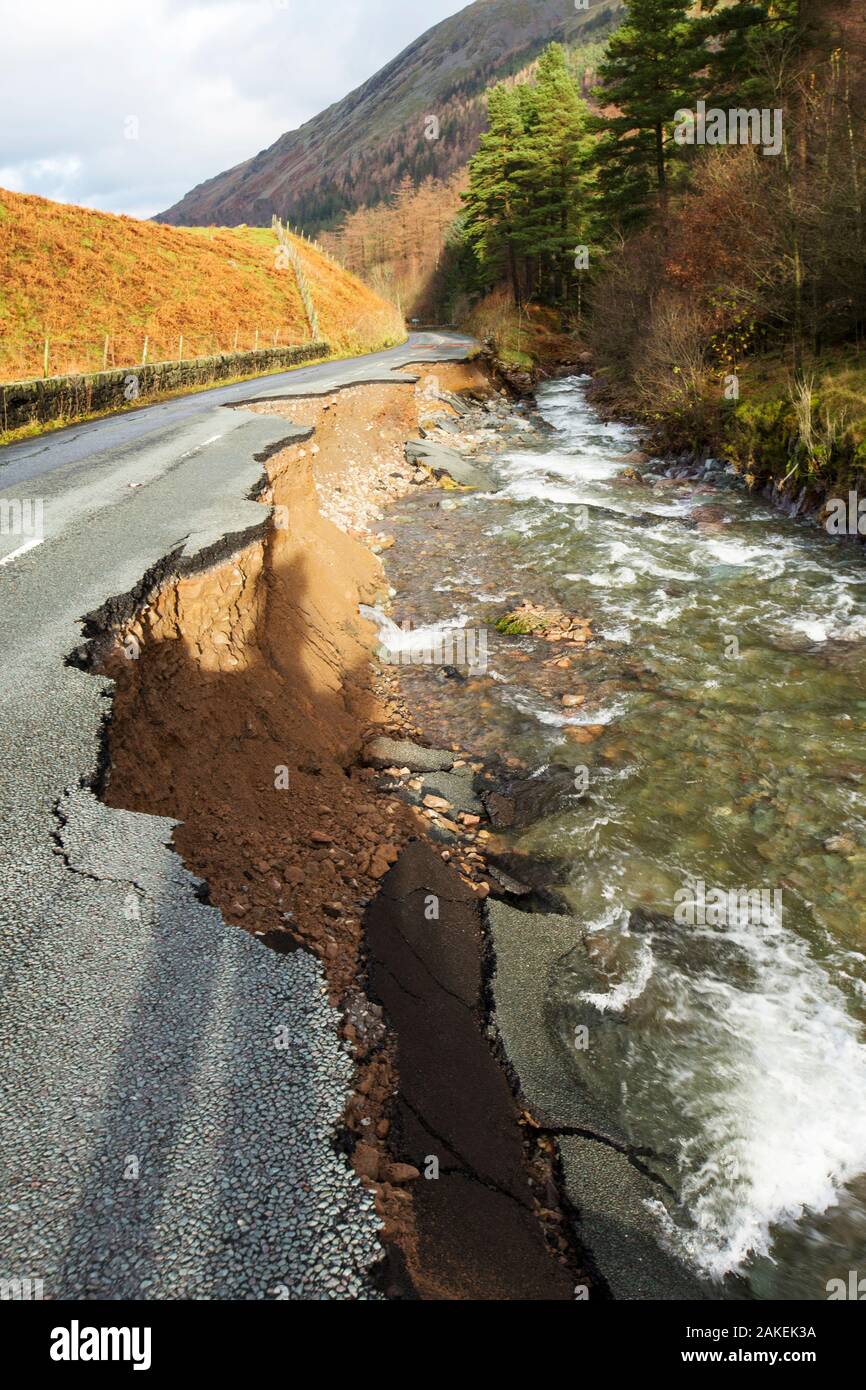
245,698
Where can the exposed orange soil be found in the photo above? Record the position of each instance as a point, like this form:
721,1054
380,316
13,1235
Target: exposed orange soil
243,716
450,376
75,276
259,665
245,711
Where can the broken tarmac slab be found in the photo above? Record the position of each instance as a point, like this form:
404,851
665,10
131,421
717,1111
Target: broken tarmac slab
606,1185
619,1226
478,1236
441,460
160,1050
383,753
453,790
458,405
528,947
456,789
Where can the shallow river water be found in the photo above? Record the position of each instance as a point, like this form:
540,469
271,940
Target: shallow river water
721,742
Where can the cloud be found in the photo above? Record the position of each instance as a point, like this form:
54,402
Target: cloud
127,106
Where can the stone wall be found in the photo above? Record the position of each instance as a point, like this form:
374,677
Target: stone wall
64,397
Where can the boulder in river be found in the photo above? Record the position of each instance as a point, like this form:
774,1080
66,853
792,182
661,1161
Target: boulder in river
534,620
445,461
513,800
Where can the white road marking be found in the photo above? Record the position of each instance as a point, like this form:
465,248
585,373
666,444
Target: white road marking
22,550
189,453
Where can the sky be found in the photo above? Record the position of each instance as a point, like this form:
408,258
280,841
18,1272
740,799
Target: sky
125,105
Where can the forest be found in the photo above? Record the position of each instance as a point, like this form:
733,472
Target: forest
719,278
688,201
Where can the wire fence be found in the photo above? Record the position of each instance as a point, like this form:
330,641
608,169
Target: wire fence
288,252
26,358
277,222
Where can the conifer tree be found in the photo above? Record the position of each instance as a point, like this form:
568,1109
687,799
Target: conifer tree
555,177
648,74
527,201
492,201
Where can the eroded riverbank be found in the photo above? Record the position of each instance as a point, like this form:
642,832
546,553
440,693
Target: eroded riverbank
573,1092
244,695
711,734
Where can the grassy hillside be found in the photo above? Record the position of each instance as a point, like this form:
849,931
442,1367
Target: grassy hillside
357,152
75,277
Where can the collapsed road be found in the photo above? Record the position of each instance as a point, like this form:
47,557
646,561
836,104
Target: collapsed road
155,1143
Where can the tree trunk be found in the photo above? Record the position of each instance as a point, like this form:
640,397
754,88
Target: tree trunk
797,261
660,160
515,274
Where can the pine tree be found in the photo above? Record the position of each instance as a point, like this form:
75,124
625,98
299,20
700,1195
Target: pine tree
492,201
648,74
739,37
527,201
555,177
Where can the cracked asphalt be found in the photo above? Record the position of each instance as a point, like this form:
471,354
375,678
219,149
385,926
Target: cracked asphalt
170,1087
610,1185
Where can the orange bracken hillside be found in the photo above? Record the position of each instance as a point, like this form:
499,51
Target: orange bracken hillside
78,277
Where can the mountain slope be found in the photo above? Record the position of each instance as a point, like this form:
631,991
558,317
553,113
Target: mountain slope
77,277
357,151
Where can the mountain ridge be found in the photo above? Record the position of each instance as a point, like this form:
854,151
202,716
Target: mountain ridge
357,151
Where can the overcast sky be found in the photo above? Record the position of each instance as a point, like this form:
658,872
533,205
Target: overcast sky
127,104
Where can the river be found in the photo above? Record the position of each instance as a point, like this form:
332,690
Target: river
719,746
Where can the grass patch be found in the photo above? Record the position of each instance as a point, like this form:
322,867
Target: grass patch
807,431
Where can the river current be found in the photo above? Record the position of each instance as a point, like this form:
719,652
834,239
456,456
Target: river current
720,750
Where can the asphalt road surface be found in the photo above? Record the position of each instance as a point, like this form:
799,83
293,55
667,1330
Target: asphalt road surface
155,1143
